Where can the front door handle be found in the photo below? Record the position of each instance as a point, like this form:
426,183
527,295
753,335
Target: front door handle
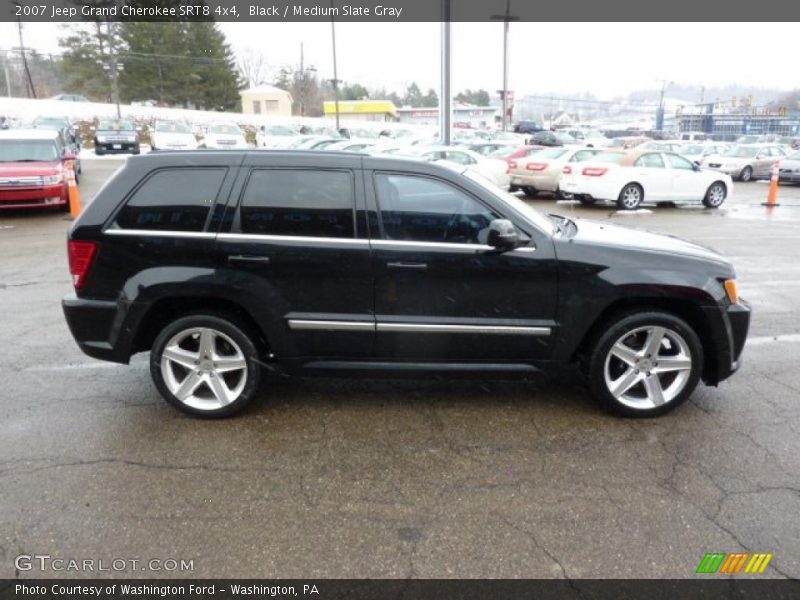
248,258
407,265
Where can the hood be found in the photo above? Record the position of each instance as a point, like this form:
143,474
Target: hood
789,164
30,169
620,236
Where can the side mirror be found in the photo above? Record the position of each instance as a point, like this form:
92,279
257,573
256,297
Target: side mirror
502,235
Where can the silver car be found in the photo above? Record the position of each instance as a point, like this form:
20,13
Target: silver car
697,151
746,162
790,169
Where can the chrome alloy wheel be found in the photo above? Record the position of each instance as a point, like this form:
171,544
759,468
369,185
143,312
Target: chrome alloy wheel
648,367
716,195
631,197
203,368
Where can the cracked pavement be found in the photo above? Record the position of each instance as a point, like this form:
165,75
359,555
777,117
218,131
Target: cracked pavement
402,478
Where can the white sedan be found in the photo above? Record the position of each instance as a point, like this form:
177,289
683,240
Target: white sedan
225,135
493,169
172,135
634,177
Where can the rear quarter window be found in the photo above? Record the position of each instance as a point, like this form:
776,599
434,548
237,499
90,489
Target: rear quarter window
172,200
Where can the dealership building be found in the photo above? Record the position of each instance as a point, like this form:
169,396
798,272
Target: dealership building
463,115
730,125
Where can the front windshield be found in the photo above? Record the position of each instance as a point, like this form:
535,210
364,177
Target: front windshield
747,139
225,128
609,157
115,126
28,151
565,138
741,152
50,123
533,215
168,127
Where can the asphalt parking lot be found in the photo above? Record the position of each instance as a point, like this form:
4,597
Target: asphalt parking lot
402,478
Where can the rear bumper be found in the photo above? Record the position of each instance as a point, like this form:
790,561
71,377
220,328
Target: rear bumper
54,195
124,148
545,183
729,326
96,327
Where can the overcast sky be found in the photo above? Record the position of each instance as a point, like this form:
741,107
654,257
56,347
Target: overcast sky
607,59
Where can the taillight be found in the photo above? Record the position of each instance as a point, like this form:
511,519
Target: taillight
537,166
594,171
81,256
566,170
512,164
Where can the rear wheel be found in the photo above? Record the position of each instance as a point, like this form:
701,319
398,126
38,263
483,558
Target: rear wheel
564,195
645,364
587,201
205,365
529,190
746,174
715,195
631,197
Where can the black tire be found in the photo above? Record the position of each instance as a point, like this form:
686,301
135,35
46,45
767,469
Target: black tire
203,394
627,199
715,195
683,341
564,195
529,191
588,201
746,174
99,152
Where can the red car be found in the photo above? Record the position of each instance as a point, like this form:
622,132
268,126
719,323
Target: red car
33,169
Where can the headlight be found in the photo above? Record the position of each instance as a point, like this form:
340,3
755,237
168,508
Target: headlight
52,179
102,139
731,290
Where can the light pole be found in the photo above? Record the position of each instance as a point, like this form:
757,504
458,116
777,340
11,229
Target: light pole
506,18
335,72
445,112
660,113
303,81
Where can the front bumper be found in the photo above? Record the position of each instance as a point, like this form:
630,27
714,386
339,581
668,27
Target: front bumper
39,197
789,177
116,148
729,326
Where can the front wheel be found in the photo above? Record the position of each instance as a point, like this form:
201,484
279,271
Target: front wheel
631,196
205,365
645,364
715,195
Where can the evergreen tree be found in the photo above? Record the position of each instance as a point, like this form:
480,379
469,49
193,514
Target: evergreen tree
84,55
413,97
431,99
214,82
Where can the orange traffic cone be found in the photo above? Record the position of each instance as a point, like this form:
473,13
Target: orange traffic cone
772,198
74,192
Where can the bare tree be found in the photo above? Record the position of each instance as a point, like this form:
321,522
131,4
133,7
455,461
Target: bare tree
252,65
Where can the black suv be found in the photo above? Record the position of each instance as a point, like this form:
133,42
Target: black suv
229,264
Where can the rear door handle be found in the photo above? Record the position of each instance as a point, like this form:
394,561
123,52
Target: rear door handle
407,265
248,258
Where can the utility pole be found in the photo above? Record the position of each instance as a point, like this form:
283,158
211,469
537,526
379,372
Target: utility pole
112,56
506,18
335,72
31,91
445,107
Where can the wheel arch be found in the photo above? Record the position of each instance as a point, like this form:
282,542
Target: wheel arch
167,309
689,311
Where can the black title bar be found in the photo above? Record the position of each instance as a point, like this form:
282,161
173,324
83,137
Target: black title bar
710,11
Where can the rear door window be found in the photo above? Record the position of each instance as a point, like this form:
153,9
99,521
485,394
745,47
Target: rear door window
298,202
172,200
